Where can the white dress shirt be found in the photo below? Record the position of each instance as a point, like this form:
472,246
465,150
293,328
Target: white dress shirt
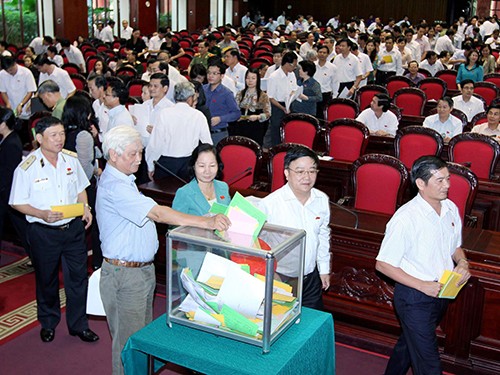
17,86
118,116
281,85
448,129
470,108
348,68
388,122
237,74
62,78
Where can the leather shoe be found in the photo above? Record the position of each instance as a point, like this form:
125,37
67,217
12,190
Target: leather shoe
86,335
47,334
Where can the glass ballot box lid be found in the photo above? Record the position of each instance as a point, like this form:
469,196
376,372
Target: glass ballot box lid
247,290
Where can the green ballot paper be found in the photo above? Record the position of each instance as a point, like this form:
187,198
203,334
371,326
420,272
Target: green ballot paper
238,322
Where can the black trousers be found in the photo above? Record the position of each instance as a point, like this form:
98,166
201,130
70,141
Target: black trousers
321,106
381,77
312,295
419,315
50,247
178,166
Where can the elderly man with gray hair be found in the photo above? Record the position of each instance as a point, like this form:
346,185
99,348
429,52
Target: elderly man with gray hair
178,132
126,220
50,94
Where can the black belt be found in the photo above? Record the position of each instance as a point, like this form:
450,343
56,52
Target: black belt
218,130
55,227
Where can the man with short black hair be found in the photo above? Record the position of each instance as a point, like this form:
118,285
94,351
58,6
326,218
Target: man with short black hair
73,54
378,119
115,99
235,70
422,240
50,95
48,71
490,128
52,177
467,102
107,32
389,62
348,69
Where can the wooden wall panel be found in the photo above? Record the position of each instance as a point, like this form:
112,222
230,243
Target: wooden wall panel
70,19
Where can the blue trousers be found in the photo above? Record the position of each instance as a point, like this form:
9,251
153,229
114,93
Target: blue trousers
419,316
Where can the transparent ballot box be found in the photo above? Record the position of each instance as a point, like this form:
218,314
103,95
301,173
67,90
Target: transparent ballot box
251,292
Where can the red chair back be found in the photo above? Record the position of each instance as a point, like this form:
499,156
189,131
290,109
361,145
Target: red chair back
238,154
413,142
135,88
341,108
411,101
493,78
276,164
395,83
299,128
487,90
434,88
379,182
365,94
71,68
184,61
79,81
450,77
346,139
463,188
478,152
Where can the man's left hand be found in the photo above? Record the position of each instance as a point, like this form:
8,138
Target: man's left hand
325,281
219,222
87,216
462,268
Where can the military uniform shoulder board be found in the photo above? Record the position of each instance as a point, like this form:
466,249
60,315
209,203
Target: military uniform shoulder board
70,153
28,162
197,54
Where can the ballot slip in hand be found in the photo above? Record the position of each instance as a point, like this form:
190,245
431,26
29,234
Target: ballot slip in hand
450,290
69,210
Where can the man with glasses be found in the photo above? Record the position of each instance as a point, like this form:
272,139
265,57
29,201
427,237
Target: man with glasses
115,97
299,205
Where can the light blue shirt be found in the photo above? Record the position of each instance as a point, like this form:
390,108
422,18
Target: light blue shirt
125,230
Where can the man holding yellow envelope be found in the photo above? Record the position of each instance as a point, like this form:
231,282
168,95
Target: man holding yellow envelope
49,188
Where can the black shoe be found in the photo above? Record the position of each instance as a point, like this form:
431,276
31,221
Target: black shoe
47,334
86,335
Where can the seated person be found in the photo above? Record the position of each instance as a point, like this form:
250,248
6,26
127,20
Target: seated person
203,190
378,119
413,73
490,128
443,121
467,102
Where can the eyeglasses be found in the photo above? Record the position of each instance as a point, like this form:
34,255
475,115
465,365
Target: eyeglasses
213,73
302,172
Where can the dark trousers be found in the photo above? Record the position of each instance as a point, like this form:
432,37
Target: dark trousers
381,77
94,228
177,166
321,106
312,296
49,247
419,316
272,136
18,221
345,85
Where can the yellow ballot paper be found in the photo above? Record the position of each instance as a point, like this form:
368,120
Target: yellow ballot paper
449,281
69,210
387,59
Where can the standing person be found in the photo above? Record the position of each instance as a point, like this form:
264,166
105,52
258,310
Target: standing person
11,153
389,62
129,240
107,33
74,55
17,86
325,76
126,32
348,69
173,48
471,69
115,98
280,86
204,189
136,43
422,240
176,134
311,94
220,101
48,71
299,205
97,87
235,70
51,176
255,109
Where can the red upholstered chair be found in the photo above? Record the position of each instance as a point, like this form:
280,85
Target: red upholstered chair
434,88
245,51
478,152
79,81
185,43
91,60
450,77
479,119
365,94
71,68
463,190
276,164
341,108
89,52
487,90
256,62
34,118
425,72
184,61
242,158
299,128
412,142
126,71
379,182
493,78
135,88
346,139
411,100
395,83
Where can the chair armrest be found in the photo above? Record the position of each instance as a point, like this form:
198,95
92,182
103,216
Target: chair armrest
346,201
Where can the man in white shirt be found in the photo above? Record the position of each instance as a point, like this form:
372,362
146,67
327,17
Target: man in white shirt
422,41
467,102
97,87
281,18
494,39
107,32
378,119
307,46
177,133
349,72
366,64
245,20
490,128
73,54
330,43
334,22
445,42
443,121
432,64
389,62
115,98
271,25
280,86
17,86
487,28
40,44
48,71
299,205
126,32
422,240
156,41
326,77
235,70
